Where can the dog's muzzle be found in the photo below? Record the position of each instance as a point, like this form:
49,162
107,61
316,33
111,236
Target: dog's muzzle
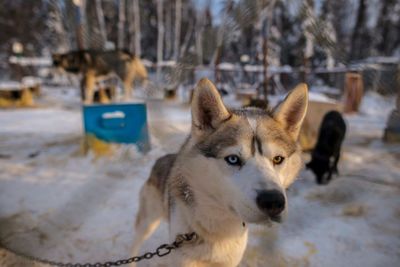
271,202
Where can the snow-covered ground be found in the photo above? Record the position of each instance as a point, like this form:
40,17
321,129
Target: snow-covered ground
59,204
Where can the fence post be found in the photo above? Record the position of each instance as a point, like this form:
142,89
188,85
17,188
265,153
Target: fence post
354,91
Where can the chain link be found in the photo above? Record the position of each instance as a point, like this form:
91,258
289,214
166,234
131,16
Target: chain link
161,251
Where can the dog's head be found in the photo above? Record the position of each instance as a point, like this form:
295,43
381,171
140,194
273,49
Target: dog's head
321,167
245,158
70,62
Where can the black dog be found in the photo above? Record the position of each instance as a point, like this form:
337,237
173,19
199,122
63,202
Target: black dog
326,153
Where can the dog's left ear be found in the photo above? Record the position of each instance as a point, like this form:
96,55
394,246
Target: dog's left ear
208,110
292,111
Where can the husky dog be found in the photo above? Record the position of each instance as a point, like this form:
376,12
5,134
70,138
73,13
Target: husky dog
326,154
93,64
233,169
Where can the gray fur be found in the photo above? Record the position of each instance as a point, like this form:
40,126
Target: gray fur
160,172
218,140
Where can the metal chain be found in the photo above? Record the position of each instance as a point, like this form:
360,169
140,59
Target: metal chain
161,251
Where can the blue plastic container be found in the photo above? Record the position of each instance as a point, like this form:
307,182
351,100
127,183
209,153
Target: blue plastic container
118,123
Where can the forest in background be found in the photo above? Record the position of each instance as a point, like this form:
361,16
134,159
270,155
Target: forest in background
289,32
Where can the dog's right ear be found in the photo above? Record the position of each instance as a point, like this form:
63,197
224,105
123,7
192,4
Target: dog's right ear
208,110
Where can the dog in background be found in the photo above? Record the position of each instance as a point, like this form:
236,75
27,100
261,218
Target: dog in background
94,64
232,170
326,153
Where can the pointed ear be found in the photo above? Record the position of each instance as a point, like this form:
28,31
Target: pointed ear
208,110
291,112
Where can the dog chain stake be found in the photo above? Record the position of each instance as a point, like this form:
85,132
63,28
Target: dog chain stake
161,251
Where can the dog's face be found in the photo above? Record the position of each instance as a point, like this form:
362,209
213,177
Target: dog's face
246,158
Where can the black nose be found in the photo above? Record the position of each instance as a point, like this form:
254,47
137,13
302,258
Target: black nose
271,202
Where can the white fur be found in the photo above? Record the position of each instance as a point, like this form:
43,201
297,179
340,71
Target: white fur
253,124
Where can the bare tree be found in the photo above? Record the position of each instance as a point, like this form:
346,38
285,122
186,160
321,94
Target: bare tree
199,36
308,14
138,36
121,24
57,29
178,22
189,32
81,28
266,16
168,29
102,24
360,38
131,26
160,36
223,29
387,37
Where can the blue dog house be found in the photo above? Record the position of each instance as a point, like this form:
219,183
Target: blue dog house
118,123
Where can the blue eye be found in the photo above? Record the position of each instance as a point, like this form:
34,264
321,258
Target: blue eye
233,160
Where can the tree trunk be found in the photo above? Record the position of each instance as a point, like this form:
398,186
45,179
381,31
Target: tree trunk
392,131
178,22
265,65
187,38
160,37
308,51
102,24
80,28
131,27
217,59
357,38
384,25
199,38
121,24
168,30
138,35
220,41
57,24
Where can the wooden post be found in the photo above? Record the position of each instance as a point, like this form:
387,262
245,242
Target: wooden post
354,90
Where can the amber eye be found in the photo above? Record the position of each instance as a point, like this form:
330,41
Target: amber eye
278,160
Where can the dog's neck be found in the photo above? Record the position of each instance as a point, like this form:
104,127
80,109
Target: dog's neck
222,235
204,212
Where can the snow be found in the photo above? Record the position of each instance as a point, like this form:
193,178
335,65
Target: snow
226,66
9,85
31,61
384,60
31,81
315,96
59,204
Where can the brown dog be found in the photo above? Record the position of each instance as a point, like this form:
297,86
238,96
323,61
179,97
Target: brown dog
93,64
